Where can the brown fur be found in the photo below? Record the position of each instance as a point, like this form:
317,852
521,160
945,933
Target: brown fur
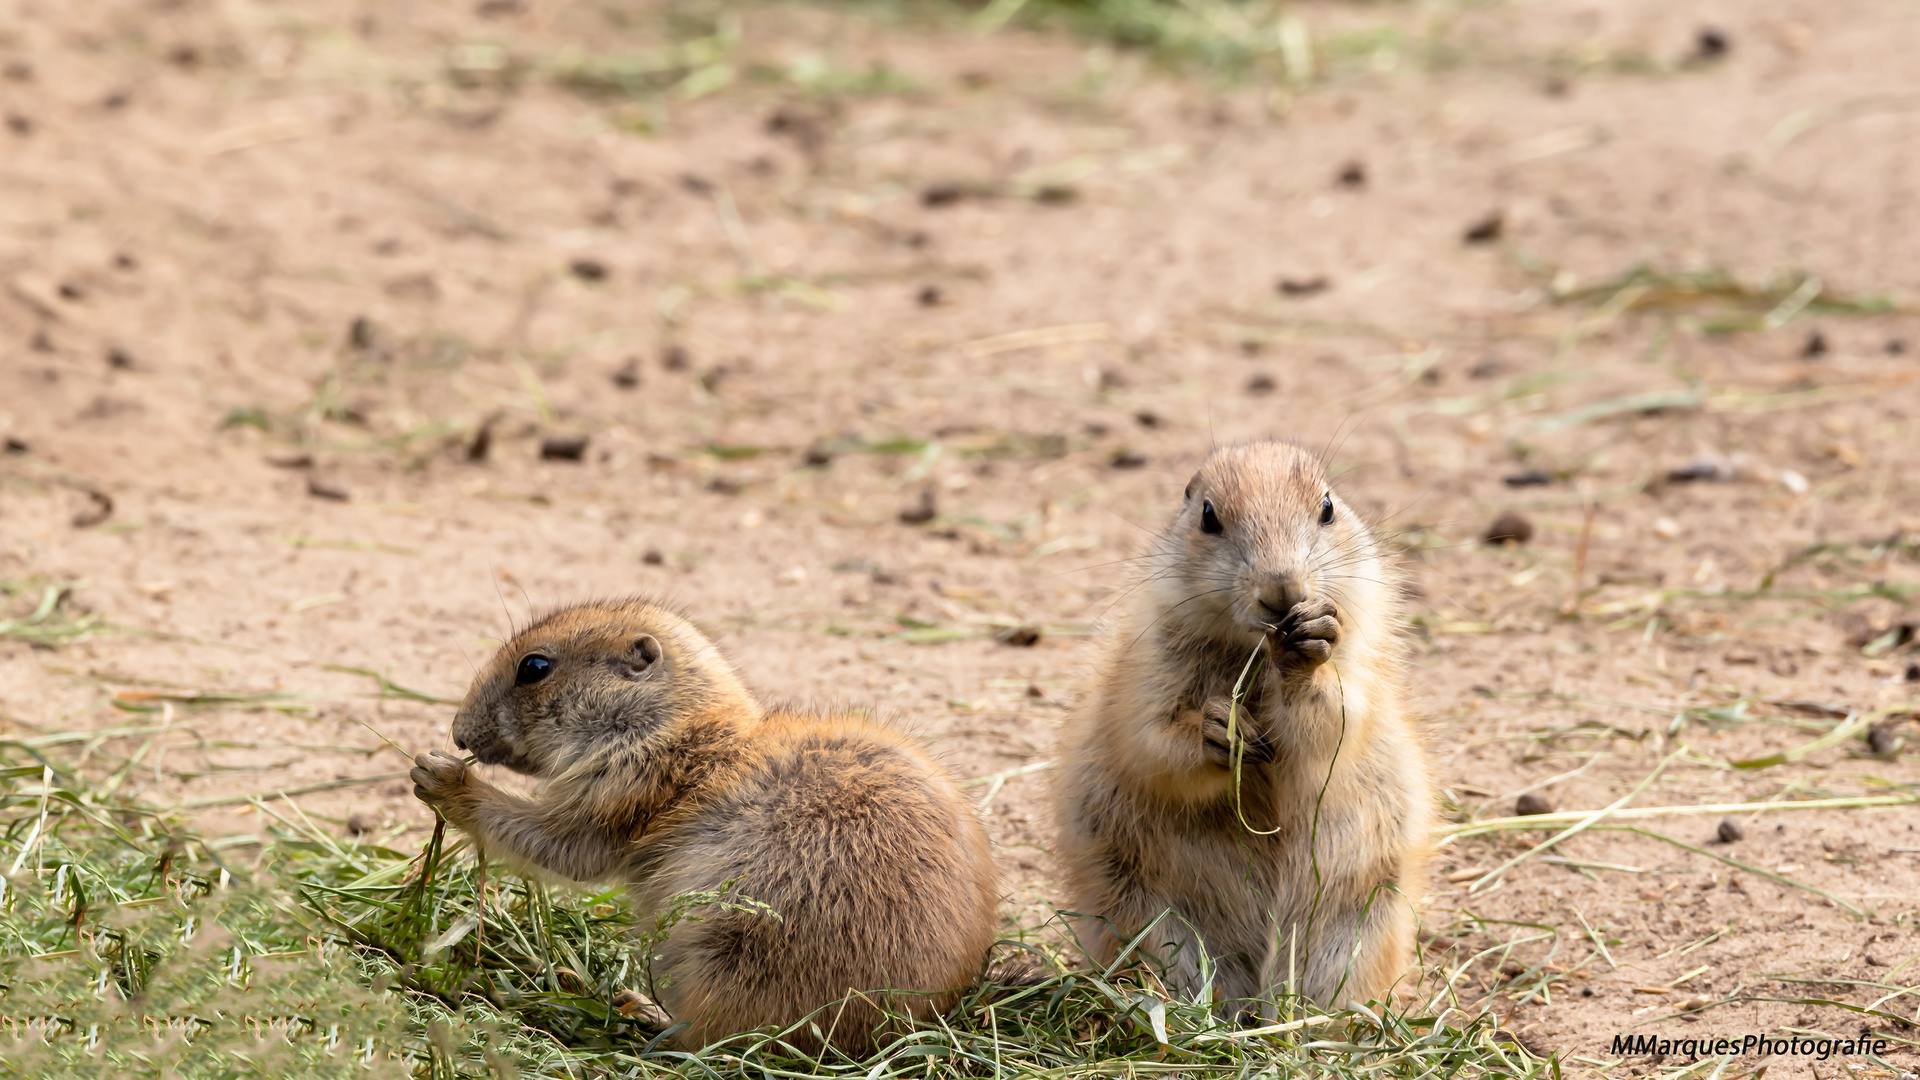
660,770
1150,817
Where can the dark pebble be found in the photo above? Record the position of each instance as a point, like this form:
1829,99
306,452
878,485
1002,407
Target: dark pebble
119,359
19,125
360,332
1112,380
588,269
1881,740
1730,831
1894,346
70,291
937,195
1025,637
1530,478
324,488
1304,286
711,378
1056,194
675,357
1352,175
359,824
725,485
1711,43
922,512
1129,459
817,456
17,71
563,447
1532,803
652,557
1261,384
481,444
1815,347
628,376
1486,230
1509,527
1147,419
16,445
1095,428
1486,369
695,184
299,459
98,509
1913,669
929,296
40,342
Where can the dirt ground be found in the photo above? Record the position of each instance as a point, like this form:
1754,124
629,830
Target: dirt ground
889,339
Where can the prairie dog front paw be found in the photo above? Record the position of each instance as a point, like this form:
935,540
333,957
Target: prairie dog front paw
1306,637
438,778
1219,747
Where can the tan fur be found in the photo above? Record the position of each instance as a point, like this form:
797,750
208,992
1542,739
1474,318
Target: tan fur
662,771
1150,817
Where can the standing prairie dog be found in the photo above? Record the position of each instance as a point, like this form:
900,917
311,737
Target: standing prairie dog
1301,873
660,770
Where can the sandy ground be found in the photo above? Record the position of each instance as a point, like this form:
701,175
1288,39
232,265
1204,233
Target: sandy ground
885,336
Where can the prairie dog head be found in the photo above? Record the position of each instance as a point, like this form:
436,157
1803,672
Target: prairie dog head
1259,530
588,677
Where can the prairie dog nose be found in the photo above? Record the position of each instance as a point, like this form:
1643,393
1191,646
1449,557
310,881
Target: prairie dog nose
459,742
1278,593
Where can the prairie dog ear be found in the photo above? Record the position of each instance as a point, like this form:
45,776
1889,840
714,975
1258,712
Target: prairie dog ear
643,654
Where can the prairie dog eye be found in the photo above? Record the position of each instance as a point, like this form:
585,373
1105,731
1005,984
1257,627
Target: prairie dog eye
1326,509
1209,521
533,667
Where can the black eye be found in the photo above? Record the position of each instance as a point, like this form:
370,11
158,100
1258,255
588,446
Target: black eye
1326,509
533,667
1209,521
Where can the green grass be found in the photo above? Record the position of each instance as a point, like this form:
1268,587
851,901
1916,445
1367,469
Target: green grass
130,946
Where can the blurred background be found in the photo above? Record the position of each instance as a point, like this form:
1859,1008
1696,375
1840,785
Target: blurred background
335,337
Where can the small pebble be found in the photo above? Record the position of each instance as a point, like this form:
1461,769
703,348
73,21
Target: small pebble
1352,175
1666,528
1532,803
674,357
817,456
1147,419
1129,459
1793,481
1261,384
588,269
942,195
1711,43
563,447
1509,527
1025,637
1730,831
359,824
652,557
1304,286
628,375
929,296
1881,740
1486,230
923,511
321,487
1530,478
1815,346
1913,669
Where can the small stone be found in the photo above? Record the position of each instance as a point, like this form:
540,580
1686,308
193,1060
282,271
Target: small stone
627,376
1815,345
929,296
481,444
1261,384
1509,527
1352,175
1881,740
1793,481
1128,459
1913,668
922,512
1025,637
674,357
324,487
119,358
937,195
1147,418
359,824
1312,286
563,447
1730,831
17,445
1486,230
1530,804
98,509
360,332
588,269
1530,478
1666,528
1711,43
817,457
1036,691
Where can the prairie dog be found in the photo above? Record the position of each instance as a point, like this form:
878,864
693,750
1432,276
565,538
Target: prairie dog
662,771
1310,862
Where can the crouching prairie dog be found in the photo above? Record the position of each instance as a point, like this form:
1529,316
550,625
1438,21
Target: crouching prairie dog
659,769
1287,836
